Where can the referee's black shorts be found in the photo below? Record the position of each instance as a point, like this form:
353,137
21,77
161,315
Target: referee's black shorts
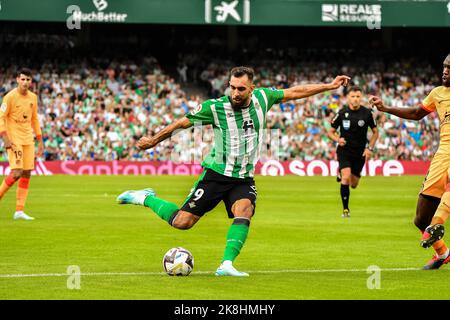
350,160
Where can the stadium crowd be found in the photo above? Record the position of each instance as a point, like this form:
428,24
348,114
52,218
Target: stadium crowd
97,109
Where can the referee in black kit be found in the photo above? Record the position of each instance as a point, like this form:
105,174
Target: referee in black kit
353,149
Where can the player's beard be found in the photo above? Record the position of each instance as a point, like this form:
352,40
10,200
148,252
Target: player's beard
446,81
446,76
241,104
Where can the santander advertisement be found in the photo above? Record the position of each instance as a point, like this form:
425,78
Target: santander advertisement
267,168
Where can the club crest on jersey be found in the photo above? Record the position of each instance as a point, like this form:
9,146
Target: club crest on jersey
346,124
361,123
196,110
346,114
3,107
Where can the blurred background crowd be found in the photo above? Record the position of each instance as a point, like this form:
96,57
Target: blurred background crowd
96,106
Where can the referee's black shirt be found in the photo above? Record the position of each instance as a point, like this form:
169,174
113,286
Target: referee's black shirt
352,127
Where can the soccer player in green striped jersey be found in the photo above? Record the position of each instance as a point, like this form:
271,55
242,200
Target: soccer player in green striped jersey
238,121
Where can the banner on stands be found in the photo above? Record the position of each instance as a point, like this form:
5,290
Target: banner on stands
267,168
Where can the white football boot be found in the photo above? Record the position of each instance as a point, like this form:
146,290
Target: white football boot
22,215
227,269
136,197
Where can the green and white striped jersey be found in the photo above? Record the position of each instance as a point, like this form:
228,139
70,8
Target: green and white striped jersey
238,134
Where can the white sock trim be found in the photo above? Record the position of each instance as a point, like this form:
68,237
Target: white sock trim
227,263
445,255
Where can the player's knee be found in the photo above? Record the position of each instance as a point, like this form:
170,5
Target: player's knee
420,223
426,208
243,208
26,174
183,225
181,221
16,174
345,177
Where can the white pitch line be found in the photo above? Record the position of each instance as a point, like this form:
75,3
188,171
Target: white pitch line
94,274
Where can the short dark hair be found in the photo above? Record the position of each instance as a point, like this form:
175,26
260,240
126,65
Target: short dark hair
24,71
241,71
355,88
447,59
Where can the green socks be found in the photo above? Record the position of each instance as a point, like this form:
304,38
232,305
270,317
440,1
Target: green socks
162,208
237,234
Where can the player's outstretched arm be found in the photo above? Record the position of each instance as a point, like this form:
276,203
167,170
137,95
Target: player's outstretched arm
412,113
307,90
150,142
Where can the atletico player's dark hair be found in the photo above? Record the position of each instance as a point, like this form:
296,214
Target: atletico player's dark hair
24,71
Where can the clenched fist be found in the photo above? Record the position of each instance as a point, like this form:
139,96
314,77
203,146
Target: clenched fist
377,102
146,143
340,81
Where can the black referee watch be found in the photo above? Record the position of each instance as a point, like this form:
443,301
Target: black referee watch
370,149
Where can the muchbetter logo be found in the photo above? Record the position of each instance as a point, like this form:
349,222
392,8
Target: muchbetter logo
77,16
346,12
227,11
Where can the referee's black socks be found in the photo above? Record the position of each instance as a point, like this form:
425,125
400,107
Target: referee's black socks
345,195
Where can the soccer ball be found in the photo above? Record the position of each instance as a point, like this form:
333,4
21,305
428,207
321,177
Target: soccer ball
178,262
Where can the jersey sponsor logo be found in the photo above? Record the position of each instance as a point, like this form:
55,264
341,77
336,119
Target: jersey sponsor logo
361,123
3,107
446,117
248,124
249,128
21,121
346,124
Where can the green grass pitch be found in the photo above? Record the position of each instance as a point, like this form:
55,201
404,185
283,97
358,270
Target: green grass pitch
298,247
